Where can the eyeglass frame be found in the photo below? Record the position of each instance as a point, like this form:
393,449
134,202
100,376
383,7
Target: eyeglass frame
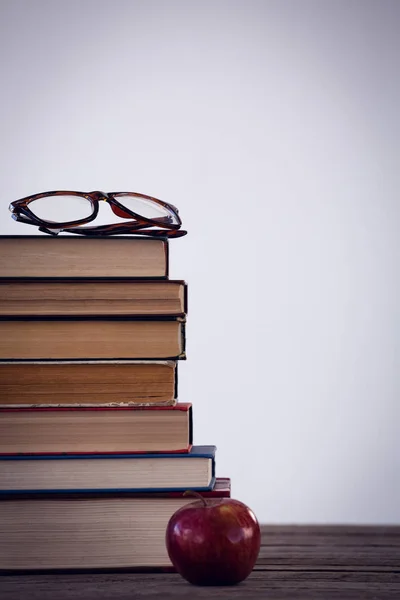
21,212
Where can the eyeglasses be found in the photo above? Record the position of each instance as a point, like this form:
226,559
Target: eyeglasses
147,215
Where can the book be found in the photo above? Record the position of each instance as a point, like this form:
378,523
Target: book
113,531
130,297
74,256
88,383
86,338
78,430
85,473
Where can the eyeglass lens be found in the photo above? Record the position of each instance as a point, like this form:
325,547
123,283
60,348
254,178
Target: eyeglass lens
61,209
145,207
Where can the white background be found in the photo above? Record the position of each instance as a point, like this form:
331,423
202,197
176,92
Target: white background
274,127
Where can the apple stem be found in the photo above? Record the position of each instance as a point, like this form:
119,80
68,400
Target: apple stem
196,495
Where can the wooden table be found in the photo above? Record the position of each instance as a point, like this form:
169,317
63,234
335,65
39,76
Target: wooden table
295,562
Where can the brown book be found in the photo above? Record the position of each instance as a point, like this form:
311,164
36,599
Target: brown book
91,532
74,256
41,339
87,383
102,430
129,297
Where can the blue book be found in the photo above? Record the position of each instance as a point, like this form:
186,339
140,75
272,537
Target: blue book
108,473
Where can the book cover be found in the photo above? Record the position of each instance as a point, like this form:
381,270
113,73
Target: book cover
96,429
113,531
88,383
63,296
222,489
74,256
79,338
116,473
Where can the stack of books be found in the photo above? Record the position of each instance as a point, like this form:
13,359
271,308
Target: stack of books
95,450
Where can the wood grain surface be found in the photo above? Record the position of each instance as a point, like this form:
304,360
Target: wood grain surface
295,563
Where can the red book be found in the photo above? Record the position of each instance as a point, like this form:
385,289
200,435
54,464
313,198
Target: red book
96,531
91,430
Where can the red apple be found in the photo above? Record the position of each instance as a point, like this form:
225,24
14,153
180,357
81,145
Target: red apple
213,541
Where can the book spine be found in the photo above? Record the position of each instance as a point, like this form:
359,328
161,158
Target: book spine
110,491
166,254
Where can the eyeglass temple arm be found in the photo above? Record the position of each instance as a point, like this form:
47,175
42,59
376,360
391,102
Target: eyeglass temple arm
130,227
93,232
22,218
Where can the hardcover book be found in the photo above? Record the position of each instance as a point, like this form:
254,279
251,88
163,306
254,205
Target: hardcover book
93,531
78,430
74,256
127,296
86,338
88,383
87,473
